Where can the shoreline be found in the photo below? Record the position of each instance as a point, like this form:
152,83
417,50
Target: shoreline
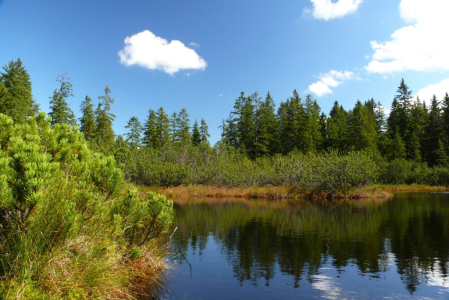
284,192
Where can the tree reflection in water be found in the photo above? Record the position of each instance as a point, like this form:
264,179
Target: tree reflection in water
260,238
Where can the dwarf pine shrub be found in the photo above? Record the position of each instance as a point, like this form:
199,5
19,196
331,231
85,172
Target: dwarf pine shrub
70,226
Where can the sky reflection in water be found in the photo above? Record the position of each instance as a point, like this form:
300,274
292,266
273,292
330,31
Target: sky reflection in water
395,249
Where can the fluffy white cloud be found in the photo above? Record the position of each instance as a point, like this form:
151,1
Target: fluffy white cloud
420,46
328,81
152,52
440,89
327,10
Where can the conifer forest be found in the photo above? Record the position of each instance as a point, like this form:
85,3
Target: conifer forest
294,143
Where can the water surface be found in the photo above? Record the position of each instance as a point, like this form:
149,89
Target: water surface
250,249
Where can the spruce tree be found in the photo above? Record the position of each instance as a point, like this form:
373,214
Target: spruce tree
433,133
445,121
150,136
296,123
133,137
243,118
267,127
87,121
283,128
312,138
196,135
60,111
184,127
174,127
204,132
17,101
162,128
362,128
105,119
337,128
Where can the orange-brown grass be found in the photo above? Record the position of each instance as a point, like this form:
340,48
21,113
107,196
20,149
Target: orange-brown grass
406,188
261,192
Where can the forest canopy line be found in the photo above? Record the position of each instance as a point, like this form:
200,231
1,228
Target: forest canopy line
259,140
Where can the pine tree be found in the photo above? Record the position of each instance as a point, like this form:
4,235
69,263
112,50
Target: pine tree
433,132
204,132
323,131
150,136
229,134
416,124
283,128
162,128
267,127
184,127
17,102
87,121
394,147
133,137
174,127
337,128
296,123
441,154
445,121
60,111
362,128
105,118
245,124
196,135
312,139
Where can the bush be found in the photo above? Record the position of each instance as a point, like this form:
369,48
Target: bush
69,223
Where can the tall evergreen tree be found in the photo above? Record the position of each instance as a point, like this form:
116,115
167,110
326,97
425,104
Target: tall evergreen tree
445,122
204,132
184,127
229,133
174,127
296,123
16,101
150,136
87,121
416,123
105,118
60,111
283,127
312,139
245,123
433,132
267,127
162,128
133,137
362,128
337,128
196,135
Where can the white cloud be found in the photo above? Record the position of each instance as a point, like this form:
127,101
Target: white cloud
155,53
440,89
193,44
420,46
328,286
327,10
328,81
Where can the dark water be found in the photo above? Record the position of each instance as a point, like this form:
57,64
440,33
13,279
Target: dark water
378,249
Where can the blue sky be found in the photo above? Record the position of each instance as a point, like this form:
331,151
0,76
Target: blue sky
201,54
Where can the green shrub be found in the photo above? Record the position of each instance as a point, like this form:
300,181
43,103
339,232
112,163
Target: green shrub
69,223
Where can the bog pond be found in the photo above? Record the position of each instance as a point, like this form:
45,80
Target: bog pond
249,249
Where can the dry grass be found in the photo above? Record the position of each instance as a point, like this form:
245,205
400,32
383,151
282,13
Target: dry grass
267,192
